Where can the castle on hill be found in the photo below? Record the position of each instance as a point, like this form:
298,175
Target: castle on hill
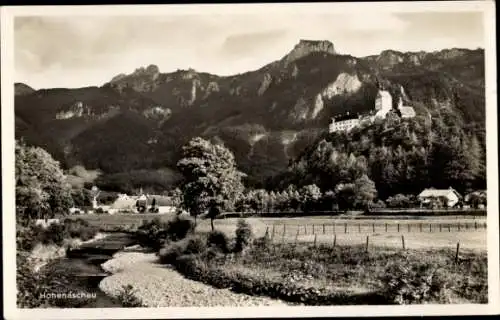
383,105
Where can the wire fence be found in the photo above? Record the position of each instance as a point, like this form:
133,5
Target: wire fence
388,235
351,227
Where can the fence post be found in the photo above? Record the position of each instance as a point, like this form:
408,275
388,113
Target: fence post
398,227
267,232
420,226
305,229
359,227
315,238
284,228
272,236
386,227
449,228
367,243
345,227
324,228
373,227
409,226
430,227
459,226
403,241
458,249
283,238
475,225
334,239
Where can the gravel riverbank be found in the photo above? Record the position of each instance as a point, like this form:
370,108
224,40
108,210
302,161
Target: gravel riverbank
161,286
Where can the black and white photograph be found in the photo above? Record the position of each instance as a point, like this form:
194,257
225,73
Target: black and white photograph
249,160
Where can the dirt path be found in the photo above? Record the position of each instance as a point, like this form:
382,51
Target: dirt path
160,286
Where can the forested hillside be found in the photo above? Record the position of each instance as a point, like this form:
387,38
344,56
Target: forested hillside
268,118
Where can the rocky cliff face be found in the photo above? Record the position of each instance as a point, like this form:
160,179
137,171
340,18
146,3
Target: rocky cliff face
306,47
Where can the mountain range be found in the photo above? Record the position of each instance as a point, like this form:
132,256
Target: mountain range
139,121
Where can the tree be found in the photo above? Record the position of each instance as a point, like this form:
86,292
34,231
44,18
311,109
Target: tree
81,197
329,200
211,179
41,187
345,195
176,197
310,195
399,201
365,192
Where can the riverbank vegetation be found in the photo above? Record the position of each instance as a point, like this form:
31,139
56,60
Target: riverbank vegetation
326,275
35,275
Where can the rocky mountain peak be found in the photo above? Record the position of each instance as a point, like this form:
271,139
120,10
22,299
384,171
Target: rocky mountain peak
142,79
451,53
306,47
22,89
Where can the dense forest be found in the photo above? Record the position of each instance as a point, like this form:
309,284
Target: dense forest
400,156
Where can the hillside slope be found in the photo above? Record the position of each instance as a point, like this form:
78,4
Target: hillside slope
267,116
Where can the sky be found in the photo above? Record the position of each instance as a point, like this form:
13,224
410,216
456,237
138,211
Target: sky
78,51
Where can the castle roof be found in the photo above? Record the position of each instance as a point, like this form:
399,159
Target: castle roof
346,116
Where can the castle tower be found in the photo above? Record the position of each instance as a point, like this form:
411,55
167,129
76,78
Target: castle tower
383,101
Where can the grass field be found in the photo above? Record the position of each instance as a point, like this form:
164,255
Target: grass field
431,232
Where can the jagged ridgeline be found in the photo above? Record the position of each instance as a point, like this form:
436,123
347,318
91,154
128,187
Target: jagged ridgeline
267,117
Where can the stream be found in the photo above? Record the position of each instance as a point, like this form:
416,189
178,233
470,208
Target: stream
82,266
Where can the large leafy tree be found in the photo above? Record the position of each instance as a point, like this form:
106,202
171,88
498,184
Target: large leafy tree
311,195
365,192
211,178
41,187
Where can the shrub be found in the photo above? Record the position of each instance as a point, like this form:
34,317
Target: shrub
378,205
400,201
243,235
410,283
54,234
195,245
262,242
152,233
127,297
170,253
180,227
28,237
190,245
155,233
218,239
79,228
192,267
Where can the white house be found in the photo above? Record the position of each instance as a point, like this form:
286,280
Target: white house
449,197
344,122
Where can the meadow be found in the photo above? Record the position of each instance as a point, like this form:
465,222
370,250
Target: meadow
415,232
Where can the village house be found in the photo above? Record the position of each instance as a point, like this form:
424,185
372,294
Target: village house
126,203
439,197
